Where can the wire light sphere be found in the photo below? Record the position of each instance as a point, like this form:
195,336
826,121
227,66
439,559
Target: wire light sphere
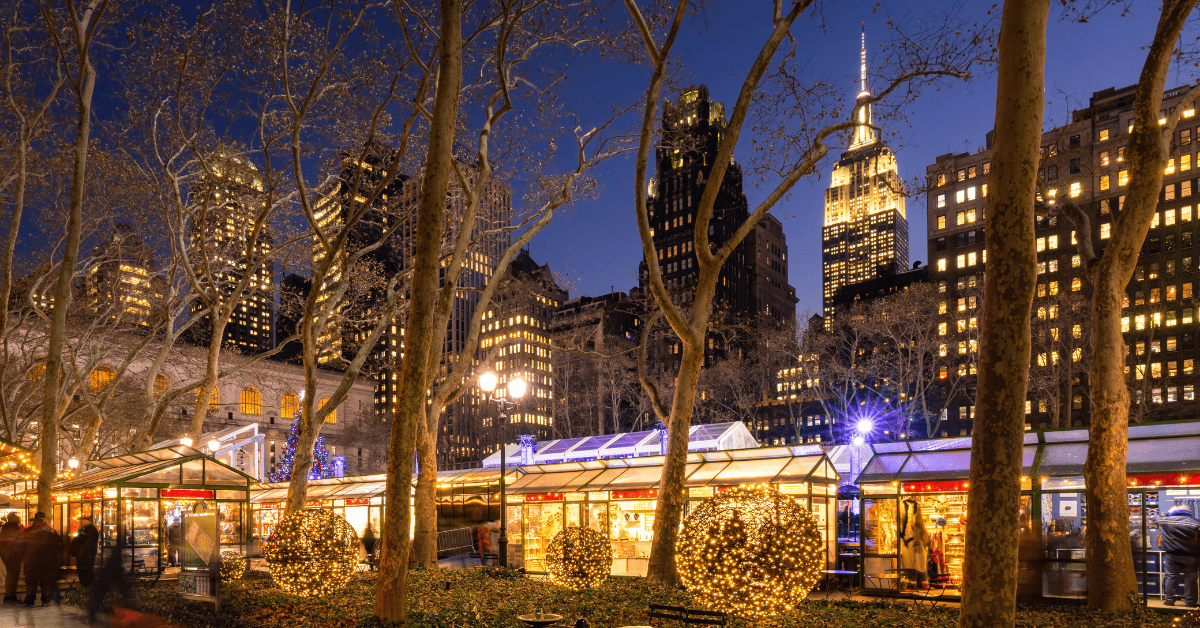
233,565
312,552
750,551
579,558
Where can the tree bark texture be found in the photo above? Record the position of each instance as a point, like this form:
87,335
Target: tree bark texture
1112,582
425,500
994,491
420,339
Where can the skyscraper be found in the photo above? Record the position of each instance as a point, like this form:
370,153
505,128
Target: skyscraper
232,203
120,281
691,133
866,232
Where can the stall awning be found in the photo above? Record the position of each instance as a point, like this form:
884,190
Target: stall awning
770,465
170,466
1154,448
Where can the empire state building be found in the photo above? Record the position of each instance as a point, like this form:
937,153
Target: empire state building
866,233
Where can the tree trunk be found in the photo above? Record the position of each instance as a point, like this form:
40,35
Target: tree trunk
672,497
391,594
994,495
425,501
1111,577
1112,583
212,368
62,289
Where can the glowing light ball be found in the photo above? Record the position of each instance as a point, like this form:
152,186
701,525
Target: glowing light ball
312,552
865,426
233,565
750,551
579,558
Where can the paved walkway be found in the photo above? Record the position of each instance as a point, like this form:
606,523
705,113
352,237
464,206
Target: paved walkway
62,616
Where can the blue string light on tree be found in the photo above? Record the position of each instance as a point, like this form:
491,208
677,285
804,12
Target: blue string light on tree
321,467
750,551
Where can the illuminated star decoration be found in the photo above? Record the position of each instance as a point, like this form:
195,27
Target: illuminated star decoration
312,552
579,558
233,565
750,551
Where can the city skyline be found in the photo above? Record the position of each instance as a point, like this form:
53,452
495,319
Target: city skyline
607,258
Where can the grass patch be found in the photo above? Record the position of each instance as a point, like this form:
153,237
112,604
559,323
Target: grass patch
494,598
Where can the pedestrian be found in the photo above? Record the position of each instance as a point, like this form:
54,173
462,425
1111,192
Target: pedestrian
1179,539
83,550
43,547
368,542
12,543
111,580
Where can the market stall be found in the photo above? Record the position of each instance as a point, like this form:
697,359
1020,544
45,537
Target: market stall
926,481
617,497
16,477
464,497
138,500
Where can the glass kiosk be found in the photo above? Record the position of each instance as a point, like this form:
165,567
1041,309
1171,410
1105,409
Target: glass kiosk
929,478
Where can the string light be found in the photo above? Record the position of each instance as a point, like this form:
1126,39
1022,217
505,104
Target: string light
311,552
1190,620
750,551
233,565
578,558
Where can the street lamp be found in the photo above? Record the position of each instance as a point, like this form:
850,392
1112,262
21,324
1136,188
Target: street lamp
214,445
186,441
73,463
516,389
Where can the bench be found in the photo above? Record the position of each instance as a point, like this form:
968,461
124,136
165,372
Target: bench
687,616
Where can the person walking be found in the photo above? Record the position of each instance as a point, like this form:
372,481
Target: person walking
12,545
368,542
1179,539
43,549
83,550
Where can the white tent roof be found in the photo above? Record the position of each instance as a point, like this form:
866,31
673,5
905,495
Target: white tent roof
714,437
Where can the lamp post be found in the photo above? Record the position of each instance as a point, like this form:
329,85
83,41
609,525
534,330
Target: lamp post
516,389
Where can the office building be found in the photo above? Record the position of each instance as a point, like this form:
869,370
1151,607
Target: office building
865,234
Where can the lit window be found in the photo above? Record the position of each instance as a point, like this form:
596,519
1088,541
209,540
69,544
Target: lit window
100,379
942,330
289,405
971,193
1103,135
1185,162
941,265
1052,242
1105,230
332,418
1076,189
941,199
960,196
1103,182
251,401
1076,284
1123,178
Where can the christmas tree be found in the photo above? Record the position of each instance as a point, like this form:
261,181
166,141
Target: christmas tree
321,467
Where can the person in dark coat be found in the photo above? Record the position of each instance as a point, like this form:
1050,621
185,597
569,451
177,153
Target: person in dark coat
1179,539
368,541
43,547
12,550
83,550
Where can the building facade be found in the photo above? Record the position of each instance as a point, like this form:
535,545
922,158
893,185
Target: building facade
865,234
121,281
773,296
1082,164
232,199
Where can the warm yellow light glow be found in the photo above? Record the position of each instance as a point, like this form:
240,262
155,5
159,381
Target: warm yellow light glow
312,552
517,388
750,551
579,558
233,565
487,382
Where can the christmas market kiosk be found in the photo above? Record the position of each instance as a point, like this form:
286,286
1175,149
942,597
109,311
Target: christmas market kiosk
465,497
15,477
616,496
914,484
138,500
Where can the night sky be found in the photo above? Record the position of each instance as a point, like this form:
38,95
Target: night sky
595,246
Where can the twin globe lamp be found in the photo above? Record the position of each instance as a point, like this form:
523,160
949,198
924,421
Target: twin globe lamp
516,386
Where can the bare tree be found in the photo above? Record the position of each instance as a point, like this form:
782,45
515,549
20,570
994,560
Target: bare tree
1111,579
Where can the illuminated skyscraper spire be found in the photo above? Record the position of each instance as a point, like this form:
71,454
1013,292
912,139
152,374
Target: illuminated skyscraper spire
864,135
862,66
